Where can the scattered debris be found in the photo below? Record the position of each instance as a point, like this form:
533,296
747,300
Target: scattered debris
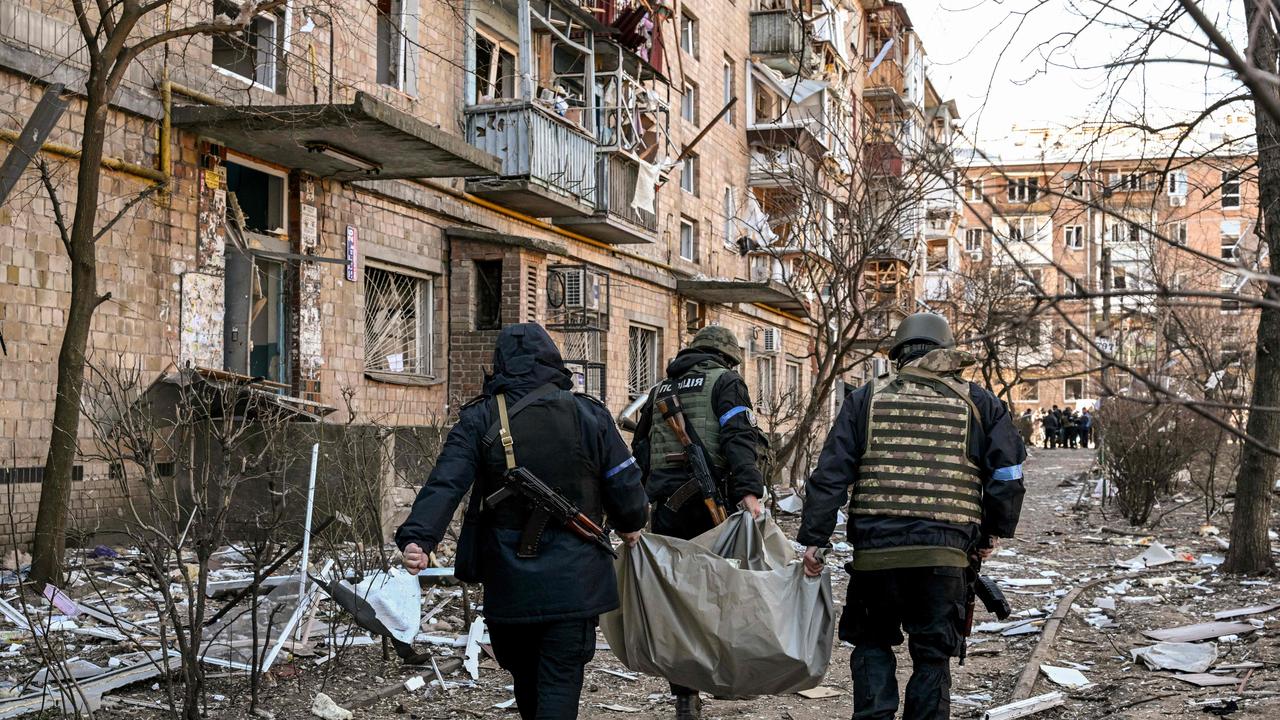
1206,679
1023,708
1242,612
1199,631
821,692
325,708
472,653
1066,677
619,708
1183,656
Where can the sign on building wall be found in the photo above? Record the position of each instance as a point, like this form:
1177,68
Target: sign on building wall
310,234
353,239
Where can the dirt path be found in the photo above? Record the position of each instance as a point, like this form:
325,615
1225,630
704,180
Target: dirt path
1060,546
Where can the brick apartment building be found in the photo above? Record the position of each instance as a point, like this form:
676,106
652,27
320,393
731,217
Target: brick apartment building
1069,205
454,167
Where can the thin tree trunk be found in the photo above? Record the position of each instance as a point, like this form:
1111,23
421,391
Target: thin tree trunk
1250,550
55,486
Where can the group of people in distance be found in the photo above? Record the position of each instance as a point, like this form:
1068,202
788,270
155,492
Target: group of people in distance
1058,427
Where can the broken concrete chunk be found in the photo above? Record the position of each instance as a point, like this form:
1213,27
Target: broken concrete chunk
1181,656
324,707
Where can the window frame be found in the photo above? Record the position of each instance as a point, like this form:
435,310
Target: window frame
692,225
1022,190
730,211
279,19
689,172
279,173
395,18
973,189
971,234
766,386
500,45
653,370
688,40
1232,178
1033,386
689,102
729,81
1076,242
424,321
1067,383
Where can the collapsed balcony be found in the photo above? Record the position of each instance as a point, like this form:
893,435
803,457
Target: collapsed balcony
788,111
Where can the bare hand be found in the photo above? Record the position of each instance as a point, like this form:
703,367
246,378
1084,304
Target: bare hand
415,560
751,504
812,565
630,538
987,552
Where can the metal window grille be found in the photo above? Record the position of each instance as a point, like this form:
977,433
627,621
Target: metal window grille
642,360
397,321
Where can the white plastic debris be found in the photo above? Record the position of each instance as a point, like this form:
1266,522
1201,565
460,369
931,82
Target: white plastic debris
396,598
471,661
791,504
1155,555
324,707
1066,677
1182,656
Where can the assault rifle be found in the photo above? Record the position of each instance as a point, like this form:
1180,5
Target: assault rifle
985,589
694,457
520,480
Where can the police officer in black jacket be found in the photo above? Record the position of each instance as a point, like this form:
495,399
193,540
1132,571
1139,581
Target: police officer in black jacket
935,465
544,586
717,408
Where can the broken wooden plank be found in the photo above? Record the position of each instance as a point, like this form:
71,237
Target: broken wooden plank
1199,631
1023,708
1242,612
1206,679
407,685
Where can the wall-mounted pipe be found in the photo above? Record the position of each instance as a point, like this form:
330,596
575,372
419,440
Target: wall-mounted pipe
111,163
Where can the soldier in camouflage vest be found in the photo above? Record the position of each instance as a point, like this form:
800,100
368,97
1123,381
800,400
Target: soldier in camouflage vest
717,409
934,464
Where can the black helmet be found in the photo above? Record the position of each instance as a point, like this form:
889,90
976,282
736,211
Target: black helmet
921,327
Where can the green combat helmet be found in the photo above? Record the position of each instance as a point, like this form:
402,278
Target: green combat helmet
921,327
717,337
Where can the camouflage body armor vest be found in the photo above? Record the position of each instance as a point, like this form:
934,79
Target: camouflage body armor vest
916,462
694,389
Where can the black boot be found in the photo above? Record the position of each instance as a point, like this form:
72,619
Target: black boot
688,707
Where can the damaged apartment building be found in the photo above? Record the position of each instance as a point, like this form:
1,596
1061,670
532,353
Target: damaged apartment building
360,195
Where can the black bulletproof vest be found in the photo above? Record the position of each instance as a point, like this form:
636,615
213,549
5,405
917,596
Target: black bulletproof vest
548,443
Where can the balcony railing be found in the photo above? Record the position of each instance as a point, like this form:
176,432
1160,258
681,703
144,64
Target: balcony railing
888,75
776,32
537,148
616,178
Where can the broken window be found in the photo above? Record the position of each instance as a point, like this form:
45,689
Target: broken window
261,193
1074,236
397,28
268,331
1023,190
1230,189
1073,389
689,103
254,54
689,174
642,360
495,67
1030,390
488,294
398,320
689,34
1119,279
689,239
1230,247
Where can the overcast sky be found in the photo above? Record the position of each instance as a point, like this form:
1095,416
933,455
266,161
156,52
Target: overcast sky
1009,62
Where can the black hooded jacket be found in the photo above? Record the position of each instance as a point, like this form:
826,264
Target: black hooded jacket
739,437
569,578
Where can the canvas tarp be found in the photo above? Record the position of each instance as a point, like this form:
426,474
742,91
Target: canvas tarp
727,613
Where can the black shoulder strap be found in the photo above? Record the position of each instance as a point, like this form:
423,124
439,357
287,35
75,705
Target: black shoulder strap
534,395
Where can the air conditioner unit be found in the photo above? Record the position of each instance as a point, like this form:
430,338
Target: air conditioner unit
1177,200
975,255
768,341
581,289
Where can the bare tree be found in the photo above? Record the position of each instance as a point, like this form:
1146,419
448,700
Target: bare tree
115,35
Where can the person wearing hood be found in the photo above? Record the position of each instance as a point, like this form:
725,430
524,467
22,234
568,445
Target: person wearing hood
545,587
935,468
717,410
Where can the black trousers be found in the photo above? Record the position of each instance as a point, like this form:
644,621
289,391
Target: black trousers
929,605
690,521
546,663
